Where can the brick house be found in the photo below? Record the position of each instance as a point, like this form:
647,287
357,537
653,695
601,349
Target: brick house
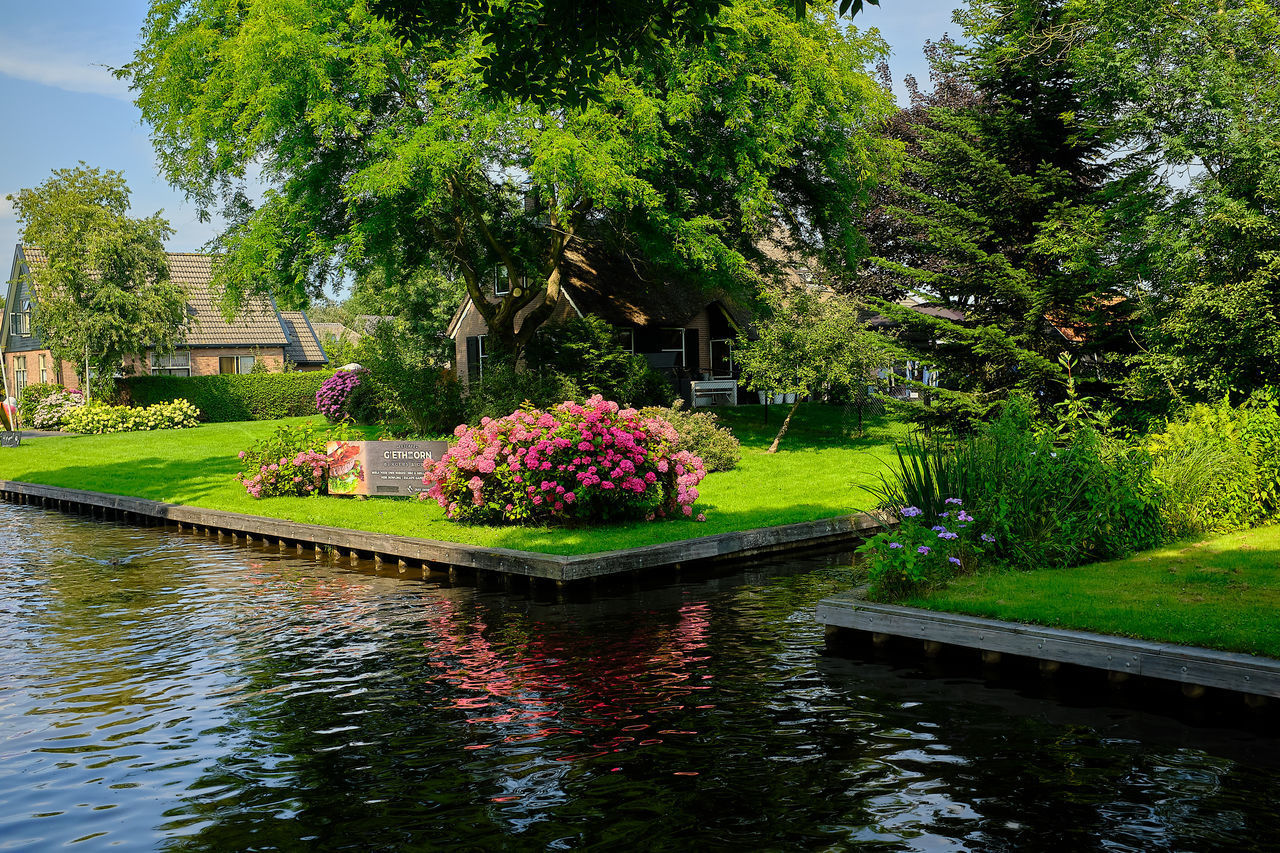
685,333
260,331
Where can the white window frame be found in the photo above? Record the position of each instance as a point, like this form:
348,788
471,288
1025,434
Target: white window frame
711,346
629,344
681,330
19,374
44,368
481,352
501,278
176,363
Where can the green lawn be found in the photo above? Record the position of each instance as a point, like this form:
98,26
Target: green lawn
815,475
1219,593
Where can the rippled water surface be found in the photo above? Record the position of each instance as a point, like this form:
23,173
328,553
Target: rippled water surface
165,692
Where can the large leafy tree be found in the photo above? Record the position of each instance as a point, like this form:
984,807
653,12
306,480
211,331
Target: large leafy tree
560,50
391,154
1006,222
104,293
1197,87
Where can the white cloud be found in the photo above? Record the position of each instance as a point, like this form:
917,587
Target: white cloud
72,72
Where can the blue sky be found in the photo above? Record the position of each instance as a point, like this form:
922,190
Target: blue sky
63,106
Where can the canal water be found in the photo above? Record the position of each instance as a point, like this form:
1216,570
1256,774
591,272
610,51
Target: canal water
159,691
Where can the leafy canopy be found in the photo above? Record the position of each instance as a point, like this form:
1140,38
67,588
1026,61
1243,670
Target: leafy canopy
104,291
390,154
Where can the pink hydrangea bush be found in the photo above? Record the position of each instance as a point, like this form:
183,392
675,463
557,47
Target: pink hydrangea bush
300,475
574,464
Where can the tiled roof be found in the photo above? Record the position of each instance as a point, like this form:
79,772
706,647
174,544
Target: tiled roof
257,323
304,347
335,330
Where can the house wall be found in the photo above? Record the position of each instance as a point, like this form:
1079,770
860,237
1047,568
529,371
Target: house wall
204,360
473,324
63,374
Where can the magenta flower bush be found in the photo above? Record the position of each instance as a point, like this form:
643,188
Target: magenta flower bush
334,392
573,464
300,475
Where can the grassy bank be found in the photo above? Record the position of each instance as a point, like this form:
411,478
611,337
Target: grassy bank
816,475
1218,593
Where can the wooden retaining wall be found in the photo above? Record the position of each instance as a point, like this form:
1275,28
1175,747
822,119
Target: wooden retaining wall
404,550
1195,668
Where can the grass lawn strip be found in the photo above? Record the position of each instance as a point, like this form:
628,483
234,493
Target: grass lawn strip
1217,593
816,475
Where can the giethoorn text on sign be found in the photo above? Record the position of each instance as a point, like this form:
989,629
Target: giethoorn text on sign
380,468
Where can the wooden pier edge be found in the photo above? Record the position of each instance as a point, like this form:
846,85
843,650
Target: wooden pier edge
1189,665
393,548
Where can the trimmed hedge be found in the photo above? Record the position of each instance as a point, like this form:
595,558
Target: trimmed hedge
231,397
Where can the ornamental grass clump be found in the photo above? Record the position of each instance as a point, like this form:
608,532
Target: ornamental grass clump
923,551
574,464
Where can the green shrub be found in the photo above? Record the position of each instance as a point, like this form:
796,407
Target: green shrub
97,418
504,389
291,461
1220,466
1047,500
700,434
231,397
586,351
30,397
406,391
924,551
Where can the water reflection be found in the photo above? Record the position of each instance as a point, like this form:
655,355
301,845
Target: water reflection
166,692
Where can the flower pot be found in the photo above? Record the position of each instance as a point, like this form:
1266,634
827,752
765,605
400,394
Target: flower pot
764,398
778,398
791,398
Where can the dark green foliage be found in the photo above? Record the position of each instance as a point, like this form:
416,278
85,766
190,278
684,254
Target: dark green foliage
1220,466
30,397
1048,500
406,389
701,434
503,389
586,351
229,397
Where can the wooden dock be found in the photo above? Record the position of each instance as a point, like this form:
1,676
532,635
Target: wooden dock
412,551
1195,668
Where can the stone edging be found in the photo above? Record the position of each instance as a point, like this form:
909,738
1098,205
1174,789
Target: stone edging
1188,665
389,548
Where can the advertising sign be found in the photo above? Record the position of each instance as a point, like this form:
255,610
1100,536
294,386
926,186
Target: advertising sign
380,468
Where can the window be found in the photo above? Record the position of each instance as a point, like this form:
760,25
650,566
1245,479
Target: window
501,283
625,338
236,364
19,374
175,364
673,341
721,358
44,368
476,356
20,320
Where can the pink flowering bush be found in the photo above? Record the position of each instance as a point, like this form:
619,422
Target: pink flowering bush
290,462
572,464
331,399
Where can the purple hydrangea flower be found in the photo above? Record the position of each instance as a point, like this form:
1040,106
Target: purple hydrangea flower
964,516
895,544
955,501
911,511
953,560
938,528
923,549
948,535
987,537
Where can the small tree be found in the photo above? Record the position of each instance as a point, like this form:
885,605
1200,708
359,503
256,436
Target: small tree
104,292
809,341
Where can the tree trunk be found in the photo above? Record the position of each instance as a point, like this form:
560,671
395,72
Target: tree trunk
786,422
